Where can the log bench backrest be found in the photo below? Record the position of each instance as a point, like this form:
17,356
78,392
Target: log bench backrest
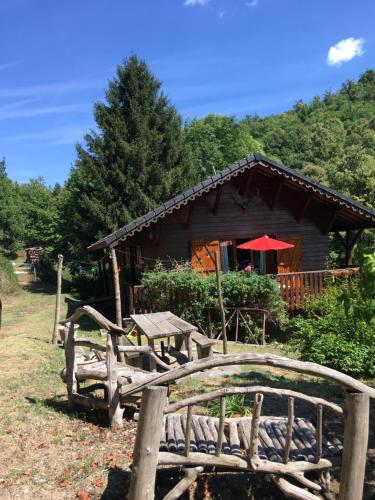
154,407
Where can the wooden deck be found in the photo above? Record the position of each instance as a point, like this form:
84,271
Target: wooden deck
295,287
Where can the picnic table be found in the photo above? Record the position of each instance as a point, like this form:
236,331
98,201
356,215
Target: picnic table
164,325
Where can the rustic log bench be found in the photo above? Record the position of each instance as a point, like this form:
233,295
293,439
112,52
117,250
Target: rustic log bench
204,345
118,367
285,448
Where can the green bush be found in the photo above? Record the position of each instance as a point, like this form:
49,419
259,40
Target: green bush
189,294
8,278
331,334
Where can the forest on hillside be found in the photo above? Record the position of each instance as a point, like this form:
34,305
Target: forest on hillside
143,153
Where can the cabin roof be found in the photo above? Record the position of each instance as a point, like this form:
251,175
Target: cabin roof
364,215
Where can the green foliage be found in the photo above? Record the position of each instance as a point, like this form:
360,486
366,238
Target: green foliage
29,214
337,329
11,224
217,141
235,405
189,294
8,278
359,301
136,160
40,213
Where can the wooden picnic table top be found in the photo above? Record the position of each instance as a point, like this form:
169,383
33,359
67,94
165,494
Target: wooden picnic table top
162,324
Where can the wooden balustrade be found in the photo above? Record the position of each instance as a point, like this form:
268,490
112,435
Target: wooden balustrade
294,288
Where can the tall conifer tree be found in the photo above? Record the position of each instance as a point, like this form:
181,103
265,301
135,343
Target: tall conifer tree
134,161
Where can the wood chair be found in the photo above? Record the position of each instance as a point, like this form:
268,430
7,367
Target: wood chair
109,374
285,448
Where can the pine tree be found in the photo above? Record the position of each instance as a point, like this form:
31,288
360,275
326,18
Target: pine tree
134,161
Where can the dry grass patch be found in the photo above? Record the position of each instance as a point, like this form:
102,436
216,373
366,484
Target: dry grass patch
51,452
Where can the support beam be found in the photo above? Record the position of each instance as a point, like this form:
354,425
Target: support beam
355,446
279,186
116,286
348,243
331,221
303,210
217,199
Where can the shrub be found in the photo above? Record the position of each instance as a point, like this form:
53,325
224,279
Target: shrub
189,294
335,335
8,278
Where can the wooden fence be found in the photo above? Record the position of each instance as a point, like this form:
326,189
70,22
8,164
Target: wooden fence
295,287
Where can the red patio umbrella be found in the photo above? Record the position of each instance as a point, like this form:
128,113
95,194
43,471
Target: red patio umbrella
265,243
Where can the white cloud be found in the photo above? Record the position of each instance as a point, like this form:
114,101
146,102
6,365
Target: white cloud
192,3
221,14
53,88
345,50
9,65
69,134
252,3
9,111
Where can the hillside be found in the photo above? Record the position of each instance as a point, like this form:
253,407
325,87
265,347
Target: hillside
331,139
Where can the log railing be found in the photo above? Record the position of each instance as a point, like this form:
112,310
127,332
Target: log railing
194,445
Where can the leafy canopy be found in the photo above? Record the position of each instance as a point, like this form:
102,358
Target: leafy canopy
135,160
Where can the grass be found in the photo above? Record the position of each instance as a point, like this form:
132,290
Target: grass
49,451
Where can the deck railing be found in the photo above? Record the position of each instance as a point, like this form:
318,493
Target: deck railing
295,287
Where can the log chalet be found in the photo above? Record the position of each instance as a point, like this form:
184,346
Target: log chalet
253,197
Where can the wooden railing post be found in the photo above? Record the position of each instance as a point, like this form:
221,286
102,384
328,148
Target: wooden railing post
146,447
116,286
355,446
71,364
221,304
58,299
114,409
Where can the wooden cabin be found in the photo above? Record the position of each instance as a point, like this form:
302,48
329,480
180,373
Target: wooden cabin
253,197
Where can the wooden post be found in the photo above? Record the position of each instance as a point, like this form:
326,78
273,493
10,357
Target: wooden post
58,299
355,446
114,409
116,286
221,305
264,329
146,447
71,364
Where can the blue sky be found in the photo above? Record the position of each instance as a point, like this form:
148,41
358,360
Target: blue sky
213,56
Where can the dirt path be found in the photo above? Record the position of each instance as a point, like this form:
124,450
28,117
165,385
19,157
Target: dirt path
46,451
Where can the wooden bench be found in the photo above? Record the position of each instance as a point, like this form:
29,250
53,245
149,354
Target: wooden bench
285,448
118,364
204,345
